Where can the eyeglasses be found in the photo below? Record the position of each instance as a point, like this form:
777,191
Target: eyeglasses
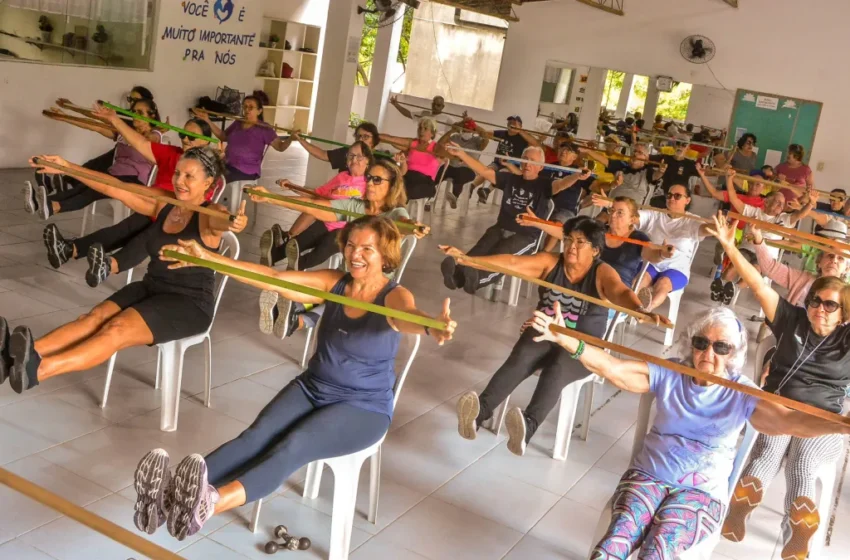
620,214
376,179
354,157
701,343
363,137
828,305
579,243
131,99
676,196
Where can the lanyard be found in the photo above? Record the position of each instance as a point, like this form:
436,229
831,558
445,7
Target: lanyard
798,363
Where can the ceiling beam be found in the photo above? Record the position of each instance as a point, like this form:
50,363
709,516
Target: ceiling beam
733,3
611,6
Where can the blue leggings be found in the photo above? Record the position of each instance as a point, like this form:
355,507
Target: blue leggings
289,433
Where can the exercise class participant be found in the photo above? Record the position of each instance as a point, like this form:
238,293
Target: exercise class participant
633,178
365,132
165,305
465,134
675,169
423,158
513,141
811,365
341,404
674,493
579,269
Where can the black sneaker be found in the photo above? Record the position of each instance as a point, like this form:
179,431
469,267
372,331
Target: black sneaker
448,267
5,357
717,289
59,250
292,254
99,262
286,320
44,207
515,423
23,374
30,203
470,279
468,408
728,293
450,196
483,194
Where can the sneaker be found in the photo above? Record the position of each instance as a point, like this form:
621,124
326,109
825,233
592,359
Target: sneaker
448,267
151,483
292,254
470,279
59,250
44,206
515,423
483,194
279,237
450,196
266,248
5,357
268,302
645,296
728,292
716,289
747,496
99,264
30,203
803,522
191,498
283,323
468,409
23,374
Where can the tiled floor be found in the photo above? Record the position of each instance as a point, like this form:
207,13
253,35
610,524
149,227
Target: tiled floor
441,497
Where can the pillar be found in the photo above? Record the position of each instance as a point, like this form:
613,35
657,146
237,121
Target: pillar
623,102
588,120
340,50
384,71
651,106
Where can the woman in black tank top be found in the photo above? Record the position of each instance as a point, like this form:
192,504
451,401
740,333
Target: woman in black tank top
165,305
578,269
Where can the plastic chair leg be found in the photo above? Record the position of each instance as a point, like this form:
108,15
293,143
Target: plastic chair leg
110,366
675,298
172,371
826,477
314,479
158,369
513,292
463,201
235,198
255,516
307,345
346,479
588,409
86,217
207,371
374,485
566,420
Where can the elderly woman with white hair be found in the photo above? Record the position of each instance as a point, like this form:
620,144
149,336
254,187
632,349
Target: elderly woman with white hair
675,493
422,159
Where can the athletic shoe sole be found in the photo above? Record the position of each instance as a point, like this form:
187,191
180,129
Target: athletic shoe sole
804,520
728,293
292,254
515,423
747,496
5,357
20,345
450,196
268,301
189,484
645,297
447,267
150,481
468,408
51,242
30,204
716,289
96,258
483,194
43,203
284,308
266,248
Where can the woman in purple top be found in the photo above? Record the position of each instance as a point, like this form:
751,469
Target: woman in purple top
246,139
675,492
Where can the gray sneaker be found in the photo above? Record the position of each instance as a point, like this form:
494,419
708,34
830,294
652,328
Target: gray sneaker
151,482
468,408
292,254
192,499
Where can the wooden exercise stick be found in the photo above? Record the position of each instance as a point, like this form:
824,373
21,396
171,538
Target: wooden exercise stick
305,191
664,211
831,245
135,189
765,182
85,517
536,220
578,295
59,116
696,374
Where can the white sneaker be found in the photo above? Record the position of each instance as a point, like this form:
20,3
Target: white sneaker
515,423
468,408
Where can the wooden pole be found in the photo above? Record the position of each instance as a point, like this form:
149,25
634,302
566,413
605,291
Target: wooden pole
765,182
514,159
822,243
665,211
85,517
138,190
59,116
308,192
696,374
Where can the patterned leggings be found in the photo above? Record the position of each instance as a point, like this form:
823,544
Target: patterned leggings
667,520
805,458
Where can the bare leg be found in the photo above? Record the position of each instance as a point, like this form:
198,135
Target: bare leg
550,243
660,290
76,331
231,495
124,330
56,207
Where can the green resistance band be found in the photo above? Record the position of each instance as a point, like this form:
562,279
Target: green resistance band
293,200
157,123
327,296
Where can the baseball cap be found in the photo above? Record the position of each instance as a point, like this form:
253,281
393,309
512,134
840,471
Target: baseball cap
516,118
834,229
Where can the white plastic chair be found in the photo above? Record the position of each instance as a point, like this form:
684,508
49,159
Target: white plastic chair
119,210
169,365
704,549
408,244
346,471
767,344
234,199
675,298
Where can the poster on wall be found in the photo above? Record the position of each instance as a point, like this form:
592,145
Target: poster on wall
208,31
765,102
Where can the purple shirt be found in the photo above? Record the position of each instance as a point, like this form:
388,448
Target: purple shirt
246,146
129,162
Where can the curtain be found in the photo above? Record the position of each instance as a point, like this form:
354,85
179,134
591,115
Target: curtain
105,11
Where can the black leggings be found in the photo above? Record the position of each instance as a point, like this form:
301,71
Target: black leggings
557,371
78,196
115,237
497,241
460,176
418,185
289,433
316,237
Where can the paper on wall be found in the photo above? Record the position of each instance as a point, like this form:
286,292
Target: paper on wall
740,131
352,53
765,102
772,157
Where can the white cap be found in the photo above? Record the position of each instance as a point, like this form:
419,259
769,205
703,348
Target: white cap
834,229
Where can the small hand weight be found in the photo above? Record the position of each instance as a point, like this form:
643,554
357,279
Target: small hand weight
290,543
304,543
281,531
272,547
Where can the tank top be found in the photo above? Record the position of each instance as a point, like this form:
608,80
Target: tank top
423,162
580,315
130,162
354,361
194,282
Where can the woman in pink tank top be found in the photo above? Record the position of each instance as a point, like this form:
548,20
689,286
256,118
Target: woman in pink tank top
423,159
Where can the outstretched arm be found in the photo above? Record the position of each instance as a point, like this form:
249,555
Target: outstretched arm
474,164
101,128
216,130
312,149
323,215
536,266
773,419
707,184
136,140
403,110
734,200
399,142
400,298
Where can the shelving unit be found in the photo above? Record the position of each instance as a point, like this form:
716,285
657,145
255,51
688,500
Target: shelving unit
291,97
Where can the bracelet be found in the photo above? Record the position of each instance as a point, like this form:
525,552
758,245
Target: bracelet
427,331
579,351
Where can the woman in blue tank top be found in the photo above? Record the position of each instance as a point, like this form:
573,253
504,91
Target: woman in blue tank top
342,404
579,269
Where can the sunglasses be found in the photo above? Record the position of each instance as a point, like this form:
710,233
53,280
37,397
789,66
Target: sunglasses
376,179
702,343
183,136
828,305
676,196
131,99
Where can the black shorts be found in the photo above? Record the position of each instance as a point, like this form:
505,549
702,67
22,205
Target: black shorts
418,185
169,316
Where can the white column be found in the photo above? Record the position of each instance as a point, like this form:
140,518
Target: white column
623,102
384,70
593,92
651,106
336,87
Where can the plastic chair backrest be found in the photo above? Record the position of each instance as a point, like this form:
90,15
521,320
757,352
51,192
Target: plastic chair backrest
152,176
218,189
399,381
609,334
408,244
762,349
229,247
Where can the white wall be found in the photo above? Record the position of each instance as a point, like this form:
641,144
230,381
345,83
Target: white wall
26,89
710,106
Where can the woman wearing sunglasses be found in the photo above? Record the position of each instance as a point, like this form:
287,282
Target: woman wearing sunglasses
675,491
384,197
811,365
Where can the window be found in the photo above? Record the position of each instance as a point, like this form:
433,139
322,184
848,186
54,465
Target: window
114,33
453,54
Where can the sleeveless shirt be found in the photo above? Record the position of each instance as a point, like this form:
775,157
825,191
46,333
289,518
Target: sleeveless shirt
578,314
